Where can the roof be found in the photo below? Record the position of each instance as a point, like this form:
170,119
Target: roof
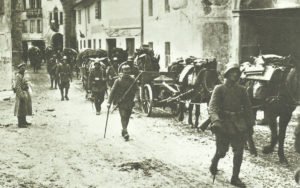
83,4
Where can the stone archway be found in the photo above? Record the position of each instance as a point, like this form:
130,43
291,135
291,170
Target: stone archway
57,41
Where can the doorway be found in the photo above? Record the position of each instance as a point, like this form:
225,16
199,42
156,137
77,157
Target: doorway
110,45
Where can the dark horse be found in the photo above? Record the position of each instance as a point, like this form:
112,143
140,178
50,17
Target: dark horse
35,57
199,78
146,60
278,101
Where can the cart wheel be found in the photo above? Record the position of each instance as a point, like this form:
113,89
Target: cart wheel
147,99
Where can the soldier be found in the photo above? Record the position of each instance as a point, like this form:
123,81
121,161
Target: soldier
133,69
97,84
232,120
23,105
51,68
112,71
64,74
122,95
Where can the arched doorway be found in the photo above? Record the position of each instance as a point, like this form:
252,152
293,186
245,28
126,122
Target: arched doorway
57,41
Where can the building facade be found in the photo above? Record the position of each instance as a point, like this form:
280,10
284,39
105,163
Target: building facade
5,45
229,30
107,24
42,24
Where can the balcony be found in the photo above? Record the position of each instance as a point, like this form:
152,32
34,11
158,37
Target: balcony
34,13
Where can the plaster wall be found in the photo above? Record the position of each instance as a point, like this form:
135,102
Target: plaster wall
5,48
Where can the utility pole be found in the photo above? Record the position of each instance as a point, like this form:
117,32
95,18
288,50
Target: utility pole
142,22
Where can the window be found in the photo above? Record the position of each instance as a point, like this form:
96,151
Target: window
24,4
130,46
1,7
79,16
94,43
167,53
88,15
38,4
89,43
32,26
32,4
80,44
99,43
150,45
167,6
61,18
39,26
98,9
84,44
24,26
150,7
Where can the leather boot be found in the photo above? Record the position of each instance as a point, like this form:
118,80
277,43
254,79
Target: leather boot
66,96
214,165
25,122
21,122
237,162
62,94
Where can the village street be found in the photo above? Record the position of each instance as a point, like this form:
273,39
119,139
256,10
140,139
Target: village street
64,147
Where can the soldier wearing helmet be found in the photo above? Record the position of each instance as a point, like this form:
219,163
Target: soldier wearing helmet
232,120
122,94
130,62
64,75
97,85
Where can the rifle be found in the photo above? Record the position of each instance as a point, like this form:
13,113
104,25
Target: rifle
106,122
127,91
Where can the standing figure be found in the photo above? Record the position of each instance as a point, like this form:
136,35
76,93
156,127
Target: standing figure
51,69
232,121
63,72
23,105
122,95
133,69
97,84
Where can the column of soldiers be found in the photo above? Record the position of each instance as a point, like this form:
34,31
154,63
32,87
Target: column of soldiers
229,108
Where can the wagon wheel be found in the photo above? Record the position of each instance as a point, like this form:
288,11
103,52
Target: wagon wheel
147,99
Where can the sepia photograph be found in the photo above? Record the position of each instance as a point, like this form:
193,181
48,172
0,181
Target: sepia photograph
149,93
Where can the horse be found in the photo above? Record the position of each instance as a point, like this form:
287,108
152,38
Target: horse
35,57
199,80
71,55
278,100
49,52
146,60
51,69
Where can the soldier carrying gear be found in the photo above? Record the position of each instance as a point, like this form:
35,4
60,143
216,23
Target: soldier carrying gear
232,120
133,69
121,96
51,69
97,84
64,74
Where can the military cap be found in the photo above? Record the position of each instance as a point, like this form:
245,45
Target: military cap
130,58
21,65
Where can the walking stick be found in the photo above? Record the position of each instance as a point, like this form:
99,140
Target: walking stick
106,122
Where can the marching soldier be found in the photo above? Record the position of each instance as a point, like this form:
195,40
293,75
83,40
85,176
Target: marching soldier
64,74
23,105
97,84
51,69
133,69
232,120
122,95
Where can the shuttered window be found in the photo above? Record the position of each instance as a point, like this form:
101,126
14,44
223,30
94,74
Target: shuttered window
98,10
150,7
2,7
167,53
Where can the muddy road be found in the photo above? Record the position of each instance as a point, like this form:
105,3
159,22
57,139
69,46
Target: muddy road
64,147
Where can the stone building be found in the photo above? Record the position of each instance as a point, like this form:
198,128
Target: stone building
230,30
107,24
5,45
42,24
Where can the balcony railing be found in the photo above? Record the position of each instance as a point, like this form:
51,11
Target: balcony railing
34,13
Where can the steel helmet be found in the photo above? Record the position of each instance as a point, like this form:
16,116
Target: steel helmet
126,69
231,66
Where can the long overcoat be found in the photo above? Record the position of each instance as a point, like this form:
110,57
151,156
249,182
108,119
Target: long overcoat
23,105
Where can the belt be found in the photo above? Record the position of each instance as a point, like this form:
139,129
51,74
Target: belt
232,113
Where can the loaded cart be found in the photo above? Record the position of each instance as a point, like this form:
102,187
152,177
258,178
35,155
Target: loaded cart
158,89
